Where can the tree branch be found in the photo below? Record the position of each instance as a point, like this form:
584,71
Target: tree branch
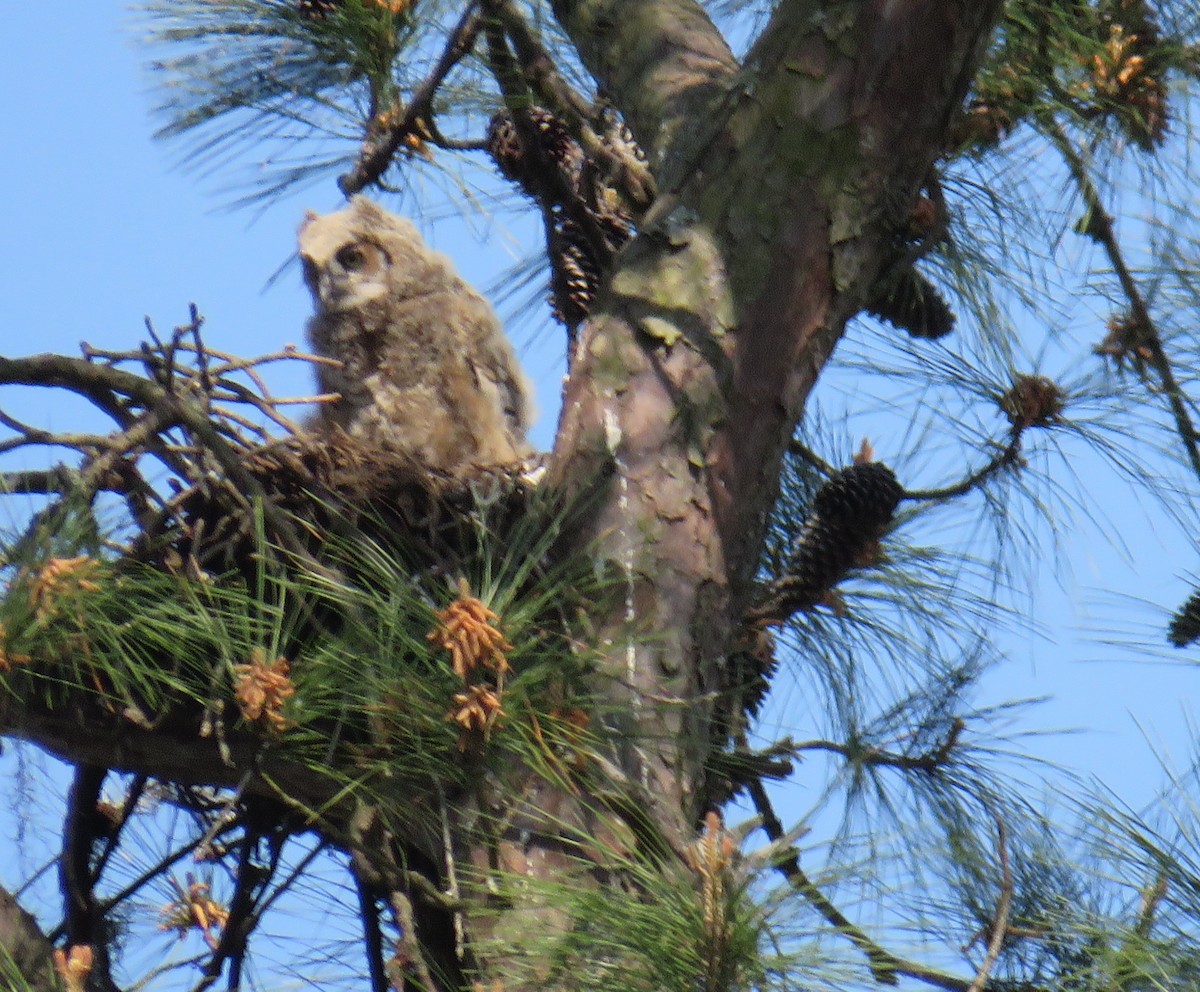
927,761
630,176
999,926
883,964
1144,339
663,62
886,967
380,148
1006,457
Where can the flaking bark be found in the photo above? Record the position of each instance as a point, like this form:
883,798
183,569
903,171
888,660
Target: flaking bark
695,366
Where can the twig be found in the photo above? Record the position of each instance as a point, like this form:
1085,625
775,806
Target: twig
99,384
29,435
59,479
451,873
409,957
201,352
928,761
75,871
802,450
379,149
1102,230
250,879
240,394
1009,455
999,925
143,879
368,913
136,789
885,966
1151,900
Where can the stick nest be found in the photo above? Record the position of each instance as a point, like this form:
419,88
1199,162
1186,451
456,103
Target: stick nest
239,476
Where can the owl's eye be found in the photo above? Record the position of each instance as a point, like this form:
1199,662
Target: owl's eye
351,258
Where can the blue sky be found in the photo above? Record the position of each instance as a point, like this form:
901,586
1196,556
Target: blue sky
104,229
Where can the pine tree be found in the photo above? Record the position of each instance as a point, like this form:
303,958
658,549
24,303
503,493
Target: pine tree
501,732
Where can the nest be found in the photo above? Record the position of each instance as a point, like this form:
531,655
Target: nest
314,488
235,492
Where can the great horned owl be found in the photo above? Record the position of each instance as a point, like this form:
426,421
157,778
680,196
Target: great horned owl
425,367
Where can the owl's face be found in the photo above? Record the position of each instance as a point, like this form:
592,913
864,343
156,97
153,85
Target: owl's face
343,268
363,254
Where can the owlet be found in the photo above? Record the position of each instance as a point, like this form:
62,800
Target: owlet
425,370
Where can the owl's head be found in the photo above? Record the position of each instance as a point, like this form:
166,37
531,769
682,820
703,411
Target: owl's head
361,255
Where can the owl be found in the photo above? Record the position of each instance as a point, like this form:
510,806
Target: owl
425,368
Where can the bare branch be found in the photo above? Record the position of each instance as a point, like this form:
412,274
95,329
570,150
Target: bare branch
664,62
368,914
883,964
999,925
380,148
100,384
796,447
1145,341
59,479
886,967
250,879
927,761
1006,457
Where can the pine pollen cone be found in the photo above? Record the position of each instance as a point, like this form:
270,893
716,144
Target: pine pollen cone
466,629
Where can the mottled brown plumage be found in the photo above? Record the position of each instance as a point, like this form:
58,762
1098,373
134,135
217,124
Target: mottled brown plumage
426,369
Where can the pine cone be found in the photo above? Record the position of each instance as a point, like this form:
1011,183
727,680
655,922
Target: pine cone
574,275
1185,625
849,513
618,138
753,663
504,145
912,303
863,496
558,176
556,150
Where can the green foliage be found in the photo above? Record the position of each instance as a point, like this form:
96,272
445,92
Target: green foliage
652,927
366,691
262,68
1107,64
881,680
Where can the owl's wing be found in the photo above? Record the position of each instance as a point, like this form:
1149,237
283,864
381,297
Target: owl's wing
493,363
498,377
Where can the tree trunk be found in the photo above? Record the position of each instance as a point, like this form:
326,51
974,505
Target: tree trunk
781,185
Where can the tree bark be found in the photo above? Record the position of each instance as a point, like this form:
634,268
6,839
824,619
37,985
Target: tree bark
782,184
24,949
